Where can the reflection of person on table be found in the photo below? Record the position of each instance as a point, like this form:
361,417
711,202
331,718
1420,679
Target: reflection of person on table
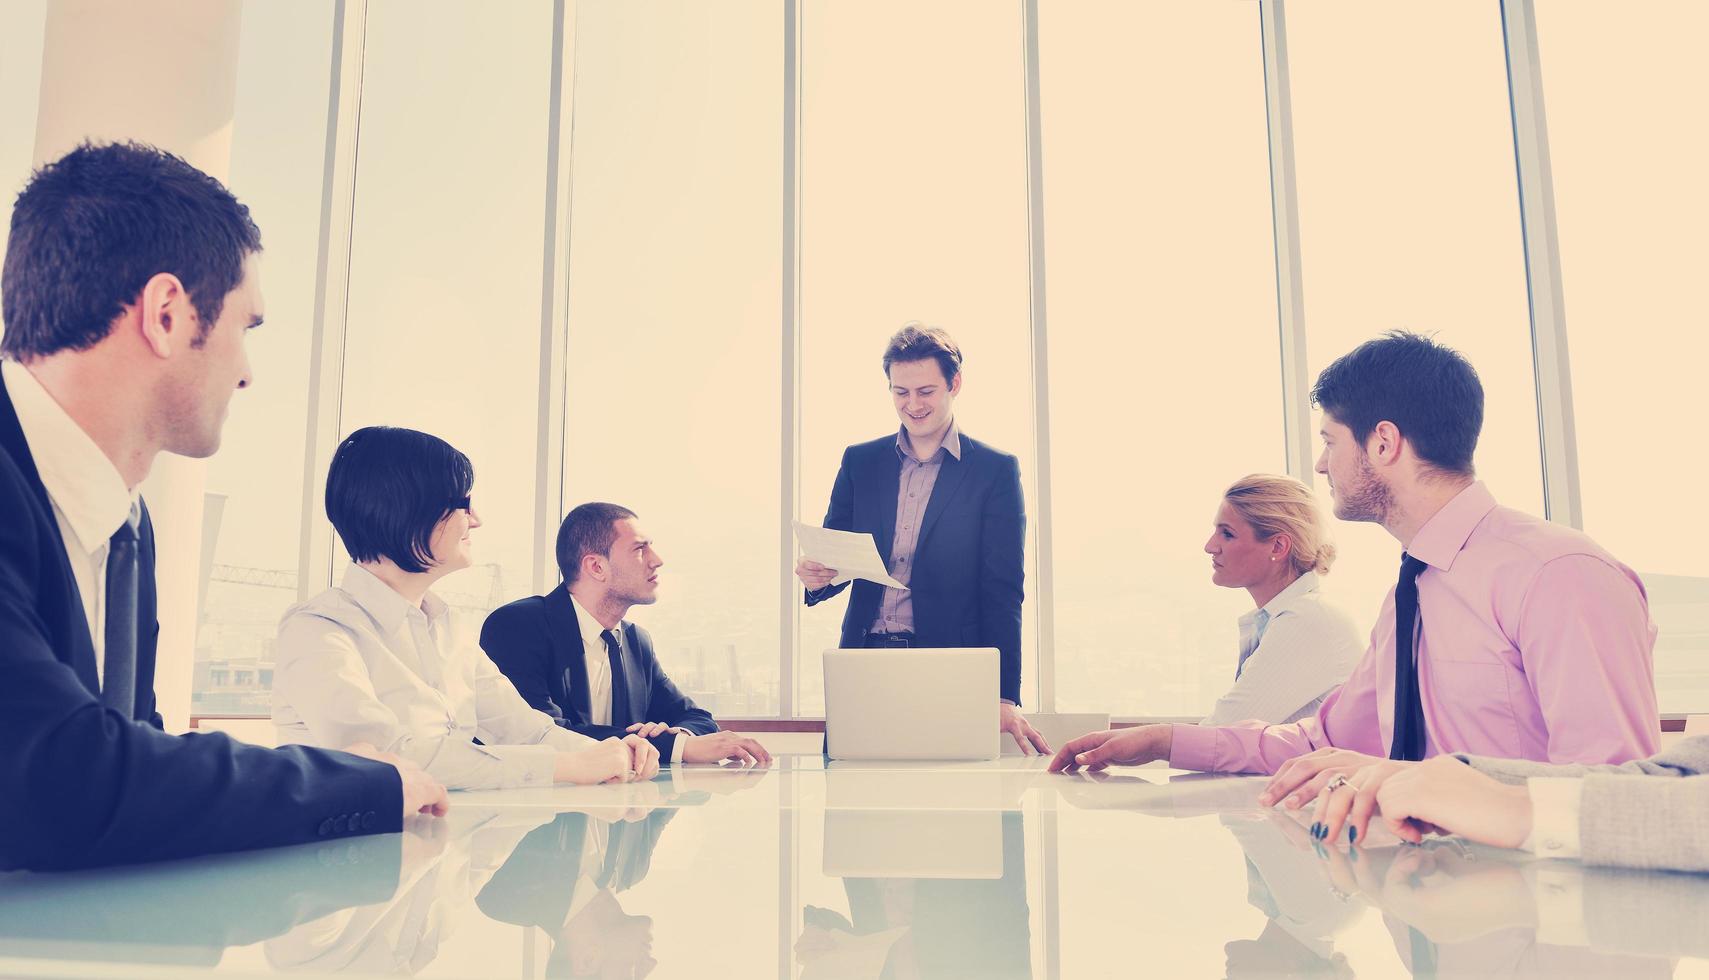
444,864
1285,881
565,878
941,927
1454,912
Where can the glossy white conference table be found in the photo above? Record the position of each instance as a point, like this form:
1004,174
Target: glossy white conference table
809,870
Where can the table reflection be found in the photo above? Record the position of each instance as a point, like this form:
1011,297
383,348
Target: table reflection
929,893
1452,909
188,912
829,872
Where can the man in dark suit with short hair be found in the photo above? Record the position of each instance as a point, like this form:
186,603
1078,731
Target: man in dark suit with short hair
129,285
947,514
571,654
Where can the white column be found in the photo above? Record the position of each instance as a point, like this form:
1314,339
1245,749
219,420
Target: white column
162,72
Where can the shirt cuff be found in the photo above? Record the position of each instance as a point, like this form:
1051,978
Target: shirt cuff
528,765
1554,816
678,745
1192,747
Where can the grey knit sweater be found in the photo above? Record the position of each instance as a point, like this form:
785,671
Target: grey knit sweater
1652,813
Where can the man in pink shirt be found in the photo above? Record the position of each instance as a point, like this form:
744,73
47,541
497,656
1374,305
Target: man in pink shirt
1519,638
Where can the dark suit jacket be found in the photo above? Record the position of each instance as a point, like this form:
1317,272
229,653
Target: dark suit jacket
537,643
967,575
536,883
83,785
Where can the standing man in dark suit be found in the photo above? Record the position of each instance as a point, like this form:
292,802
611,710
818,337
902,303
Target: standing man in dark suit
129,286
570,653
947,514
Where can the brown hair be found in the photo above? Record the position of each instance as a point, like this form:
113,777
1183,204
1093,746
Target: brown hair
916,342
1283,505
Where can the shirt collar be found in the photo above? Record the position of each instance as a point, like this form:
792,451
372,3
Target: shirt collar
1443,536
951,445
592,632
81,481
383,603
1303,586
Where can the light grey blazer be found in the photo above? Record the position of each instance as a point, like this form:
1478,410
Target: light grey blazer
1652,813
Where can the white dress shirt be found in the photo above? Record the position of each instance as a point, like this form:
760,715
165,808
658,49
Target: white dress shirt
598,661
359,663
89,497
1293,652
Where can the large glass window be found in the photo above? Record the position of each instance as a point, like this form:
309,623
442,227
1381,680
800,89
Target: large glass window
445,269
1164,384
913,207
674,377
22,27
253,505
1629,145
1409,219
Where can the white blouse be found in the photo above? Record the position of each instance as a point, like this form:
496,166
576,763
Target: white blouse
359,663
1293,652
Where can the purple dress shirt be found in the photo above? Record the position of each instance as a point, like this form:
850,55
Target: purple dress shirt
913,492
1532,643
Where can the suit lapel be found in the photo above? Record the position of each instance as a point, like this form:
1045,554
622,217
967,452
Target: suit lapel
570,660
950,475
12,442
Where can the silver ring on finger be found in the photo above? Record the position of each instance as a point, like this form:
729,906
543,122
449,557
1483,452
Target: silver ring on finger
1336,783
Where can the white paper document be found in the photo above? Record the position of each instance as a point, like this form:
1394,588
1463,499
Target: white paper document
852,554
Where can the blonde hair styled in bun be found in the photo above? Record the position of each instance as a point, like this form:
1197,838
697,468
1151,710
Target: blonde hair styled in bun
1283,505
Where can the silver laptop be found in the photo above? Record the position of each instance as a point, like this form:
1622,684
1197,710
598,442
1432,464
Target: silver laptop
911,704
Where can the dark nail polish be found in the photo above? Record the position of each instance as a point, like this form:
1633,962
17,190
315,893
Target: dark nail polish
1317,830
1352,834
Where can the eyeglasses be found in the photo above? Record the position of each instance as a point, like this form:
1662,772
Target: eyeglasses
461,503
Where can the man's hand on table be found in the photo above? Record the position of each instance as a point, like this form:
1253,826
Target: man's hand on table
1017,727
1115,747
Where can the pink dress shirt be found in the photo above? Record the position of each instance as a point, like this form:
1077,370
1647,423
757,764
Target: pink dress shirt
1533,643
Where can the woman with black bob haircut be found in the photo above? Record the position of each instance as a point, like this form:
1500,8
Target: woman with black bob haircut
378,660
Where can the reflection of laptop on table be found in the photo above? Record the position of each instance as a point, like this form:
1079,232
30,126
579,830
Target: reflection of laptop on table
911,704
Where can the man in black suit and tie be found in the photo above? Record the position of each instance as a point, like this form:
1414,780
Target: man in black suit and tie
566,877
948,517
129,285
571,655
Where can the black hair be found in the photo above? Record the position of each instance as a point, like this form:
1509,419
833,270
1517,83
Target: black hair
589,529
90,229
917,342
388,489
1428,390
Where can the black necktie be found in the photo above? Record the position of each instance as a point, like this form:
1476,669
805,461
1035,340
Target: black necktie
1408,707
118,671
619,683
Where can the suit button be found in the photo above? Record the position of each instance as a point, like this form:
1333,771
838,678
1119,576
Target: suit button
326,826
339,824
368,820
